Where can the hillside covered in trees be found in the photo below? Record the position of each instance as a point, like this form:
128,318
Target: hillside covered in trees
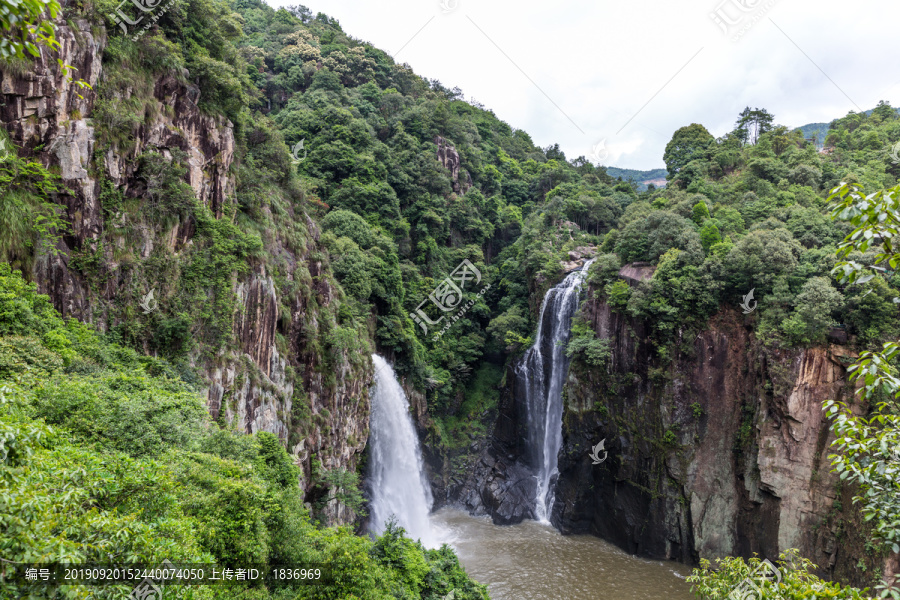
353,187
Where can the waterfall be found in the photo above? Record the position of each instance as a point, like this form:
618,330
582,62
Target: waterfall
541,373
396,473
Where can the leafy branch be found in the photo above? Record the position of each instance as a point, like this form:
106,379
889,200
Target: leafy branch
869,445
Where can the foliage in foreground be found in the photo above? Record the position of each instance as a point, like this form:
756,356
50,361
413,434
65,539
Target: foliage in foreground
24,27
108,456
729,577
868,445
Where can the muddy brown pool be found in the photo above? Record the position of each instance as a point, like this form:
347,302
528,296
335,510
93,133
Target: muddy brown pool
532,561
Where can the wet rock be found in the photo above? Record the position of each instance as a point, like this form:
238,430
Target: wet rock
509,496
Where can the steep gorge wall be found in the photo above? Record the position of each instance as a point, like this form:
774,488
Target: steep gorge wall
721,452
270,365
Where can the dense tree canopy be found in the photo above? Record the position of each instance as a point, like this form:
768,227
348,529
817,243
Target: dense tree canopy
355,163
687,144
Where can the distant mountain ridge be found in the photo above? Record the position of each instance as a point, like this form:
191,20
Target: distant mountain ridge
658,176
655,176
820,130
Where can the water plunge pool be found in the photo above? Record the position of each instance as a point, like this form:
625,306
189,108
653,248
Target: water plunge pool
533,561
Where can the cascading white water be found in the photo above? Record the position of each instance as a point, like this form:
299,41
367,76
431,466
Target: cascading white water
541,374
396,472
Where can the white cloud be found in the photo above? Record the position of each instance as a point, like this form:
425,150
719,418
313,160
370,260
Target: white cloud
600,62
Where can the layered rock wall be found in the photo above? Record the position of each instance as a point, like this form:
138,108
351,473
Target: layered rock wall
723,451
255,383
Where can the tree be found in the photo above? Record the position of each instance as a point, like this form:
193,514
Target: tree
554,153
586,346
709,235
782,139
344,487
868,446
650,237
876,221
729,577
300,12
24,26
871,312
753,123
760,257
729,220
351,225
618,293
816,302
507,328
700,213
688,143
884,111
604,269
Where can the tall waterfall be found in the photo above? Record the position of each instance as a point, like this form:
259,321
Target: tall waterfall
541,373
396,473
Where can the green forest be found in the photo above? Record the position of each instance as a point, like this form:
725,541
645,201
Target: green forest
108,451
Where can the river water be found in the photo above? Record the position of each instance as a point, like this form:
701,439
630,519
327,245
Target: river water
532,561
529,561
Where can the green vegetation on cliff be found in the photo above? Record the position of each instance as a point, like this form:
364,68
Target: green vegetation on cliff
738,217
407,180
744,212
108,456
354,175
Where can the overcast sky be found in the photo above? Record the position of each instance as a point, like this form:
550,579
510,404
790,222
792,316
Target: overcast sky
627,74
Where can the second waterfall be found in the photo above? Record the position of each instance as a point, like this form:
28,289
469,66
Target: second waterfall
396,472
541,374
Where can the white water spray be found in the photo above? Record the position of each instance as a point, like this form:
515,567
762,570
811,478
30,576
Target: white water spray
396,471
542,373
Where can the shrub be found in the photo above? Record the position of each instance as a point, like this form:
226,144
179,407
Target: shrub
714,582
585,344
618,294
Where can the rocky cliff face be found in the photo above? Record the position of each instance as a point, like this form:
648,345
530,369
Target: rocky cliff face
491,476
450,160
270,367
721,452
